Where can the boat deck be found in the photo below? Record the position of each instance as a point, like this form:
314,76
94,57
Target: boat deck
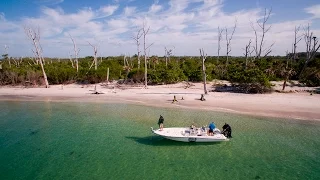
187,134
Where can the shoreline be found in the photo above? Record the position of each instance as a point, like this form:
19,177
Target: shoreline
298,106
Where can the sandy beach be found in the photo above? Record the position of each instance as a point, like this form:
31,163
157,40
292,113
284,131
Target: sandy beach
297,105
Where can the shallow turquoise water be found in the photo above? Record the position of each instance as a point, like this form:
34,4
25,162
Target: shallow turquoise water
48,140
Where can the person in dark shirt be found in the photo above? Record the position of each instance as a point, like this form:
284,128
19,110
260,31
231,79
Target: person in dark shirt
160,123
227,130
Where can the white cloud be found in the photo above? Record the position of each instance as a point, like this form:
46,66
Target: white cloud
128,11
314,10
185,24
178,5
154,8
107,10
113,23
7,25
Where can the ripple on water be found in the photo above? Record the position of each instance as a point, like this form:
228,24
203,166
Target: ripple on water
45,140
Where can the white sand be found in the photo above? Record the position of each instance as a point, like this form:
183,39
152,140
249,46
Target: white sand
287,105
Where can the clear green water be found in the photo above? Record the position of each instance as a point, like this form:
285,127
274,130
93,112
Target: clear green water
47,140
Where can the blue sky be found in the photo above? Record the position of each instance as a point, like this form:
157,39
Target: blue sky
181,25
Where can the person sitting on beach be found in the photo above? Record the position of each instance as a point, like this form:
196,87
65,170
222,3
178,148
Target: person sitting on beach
212,126
202,97
160,123
174,99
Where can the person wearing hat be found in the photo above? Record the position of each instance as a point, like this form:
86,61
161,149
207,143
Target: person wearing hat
160,123
212,126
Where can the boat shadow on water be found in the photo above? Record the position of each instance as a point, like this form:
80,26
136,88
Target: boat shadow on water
160,141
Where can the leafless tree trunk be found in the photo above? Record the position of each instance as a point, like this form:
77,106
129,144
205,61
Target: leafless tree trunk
95,52
286,77
34,36
165,56
21,59
70,58
264,29
76,52
33,61
228,39
287,72
204,57
126,67
154,61
145,32
137,38
168,54
308,39
312,48
220,31
288,59
296,41
6,48
131,64
247,52
35,56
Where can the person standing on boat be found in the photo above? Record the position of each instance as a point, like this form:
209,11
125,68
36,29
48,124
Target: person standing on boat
212,126
160,123
226,130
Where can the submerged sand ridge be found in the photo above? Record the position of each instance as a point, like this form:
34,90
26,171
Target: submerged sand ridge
285,105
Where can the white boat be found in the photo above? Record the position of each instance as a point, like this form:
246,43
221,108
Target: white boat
190,135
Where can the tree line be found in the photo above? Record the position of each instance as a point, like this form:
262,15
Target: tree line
251,77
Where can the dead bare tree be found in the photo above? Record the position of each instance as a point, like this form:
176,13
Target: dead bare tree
76,52
287,72
36,59
154,60
6,55
228,39
145,32
33,61
165,56
126,66
308,40
95,60
34,36
16,63
297,39
168,54
264,29
137,38
70,58
220,31
204,57
268,50
311,48
247,52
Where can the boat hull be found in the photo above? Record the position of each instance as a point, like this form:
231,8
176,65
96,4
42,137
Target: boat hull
189,135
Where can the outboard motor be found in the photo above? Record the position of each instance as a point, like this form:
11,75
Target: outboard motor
226,130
